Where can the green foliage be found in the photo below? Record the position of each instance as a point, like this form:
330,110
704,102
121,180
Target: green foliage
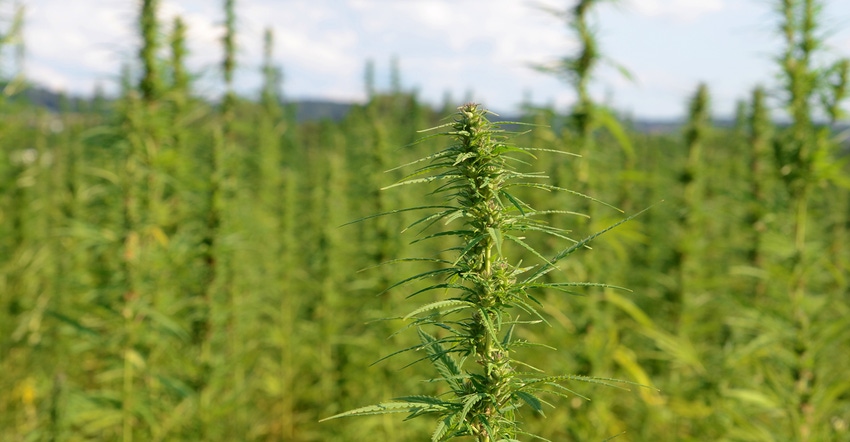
474,357
174,270
802,152
179,76
228,63
272,76
11,32
149,27
587,115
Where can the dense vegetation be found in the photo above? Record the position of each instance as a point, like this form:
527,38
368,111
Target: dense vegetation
172,269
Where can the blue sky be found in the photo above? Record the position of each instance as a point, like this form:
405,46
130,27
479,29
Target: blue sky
481,48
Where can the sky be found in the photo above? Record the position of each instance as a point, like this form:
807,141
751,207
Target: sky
481,50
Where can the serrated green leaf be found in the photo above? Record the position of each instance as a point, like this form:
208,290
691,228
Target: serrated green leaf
393,212
469,245
422,399
442,360
442,286
387,408
488,324
439,431
468,403
422,275
531,400
438,305
506,340
463,157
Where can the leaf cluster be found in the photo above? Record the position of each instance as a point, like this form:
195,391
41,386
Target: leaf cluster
487,294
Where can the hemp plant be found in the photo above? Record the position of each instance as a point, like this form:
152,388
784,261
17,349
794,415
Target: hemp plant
587,115
487,290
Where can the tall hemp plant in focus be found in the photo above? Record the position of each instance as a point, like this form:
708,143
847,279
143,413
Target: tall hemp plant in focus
488,289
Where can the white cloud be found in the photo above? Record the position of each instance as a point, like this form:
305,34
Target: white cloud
843,46
440,42
48,76
68,48
453,45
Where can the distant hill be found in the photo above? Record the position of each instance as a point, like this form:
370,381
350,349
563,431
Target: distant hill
313,110
306,110
53,101
316,109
